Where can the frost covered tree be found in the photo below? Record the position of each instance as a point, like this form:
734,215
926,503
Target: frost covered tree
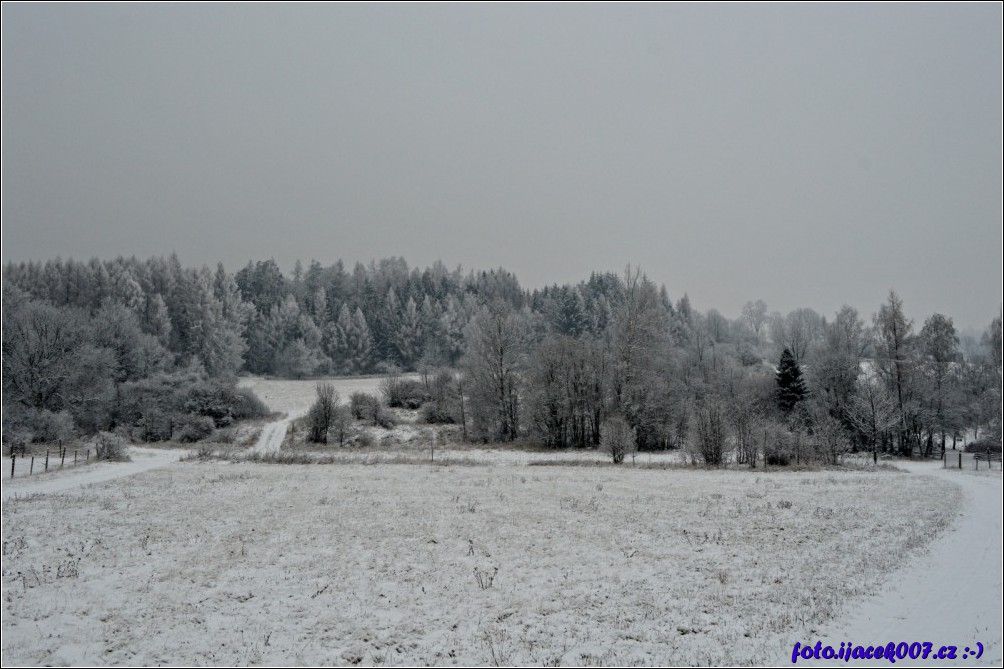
566,388
894,340
798,332
155,318
837,363
711,429
746,419
755,315
41,345
407,337
494,366
617,438
939,350
359,344
639,343
873,410
992,341
322,414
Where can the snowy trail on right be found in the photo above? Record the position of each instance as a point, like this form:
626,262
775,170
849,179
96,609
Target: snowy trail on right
950,596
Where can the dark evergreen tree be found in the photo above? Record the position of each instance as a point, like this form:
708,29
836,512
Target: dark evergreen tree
790,384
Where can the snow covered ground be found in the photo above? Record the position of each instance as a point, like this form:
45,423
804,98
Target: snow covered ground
951,595
224,563
142,460
294,398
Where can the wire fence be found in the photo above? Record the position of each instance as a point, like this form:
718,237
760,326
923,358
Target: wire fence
22,463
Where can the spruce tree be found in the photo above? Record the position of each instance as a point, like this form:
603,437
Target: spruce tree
790,385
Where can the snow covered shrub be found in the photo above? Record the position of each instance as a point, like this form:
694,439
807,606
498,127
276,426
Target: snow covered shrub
384,418
777,458
983,445
246,404
778,451
194,428
153,424
108,446
617,438
341,422
36,425
436,413
223,403
405,394
206,451
363,406
368,407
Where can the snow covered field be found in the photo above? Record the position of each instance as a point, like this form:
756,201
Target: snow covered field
295,397
953,595
222,563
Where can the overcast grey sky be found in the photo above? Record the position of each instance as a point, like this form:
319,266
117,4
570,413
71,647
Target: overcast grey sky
808,156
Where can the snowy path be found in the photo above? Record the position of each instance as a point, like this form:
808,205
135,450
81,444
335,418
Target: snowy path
143,459
271,437
951,596
295,397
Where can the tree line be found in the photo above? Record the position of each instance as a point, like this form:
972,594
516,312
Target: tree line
552,365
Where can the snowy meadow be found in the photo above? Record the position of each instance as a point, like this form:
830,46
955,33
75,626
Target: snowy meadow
240,563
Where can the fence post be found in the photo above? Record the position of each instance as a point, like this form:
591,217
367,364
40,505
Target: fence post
47,459
62,458
960,459
13,459
87,456
74,456
31,469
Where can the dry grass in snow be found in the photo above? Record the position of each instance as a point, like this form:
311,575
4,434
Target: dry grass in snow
220,563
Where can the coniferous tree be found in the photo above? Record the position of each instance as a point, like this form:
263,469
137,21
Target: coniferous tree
790,384
359,344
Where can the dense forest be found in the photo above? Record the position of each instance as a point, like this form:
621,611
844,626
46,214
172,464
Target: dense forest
152,348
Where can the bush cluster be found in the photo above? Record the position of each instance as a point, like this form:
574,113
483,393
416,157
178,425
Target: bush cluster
109,446
367,407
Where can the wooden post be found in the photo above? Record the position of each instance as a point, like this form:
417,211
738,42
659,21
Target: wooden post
88,456
62,458
47,459
432,457
13,459
960,459
74,456
32,467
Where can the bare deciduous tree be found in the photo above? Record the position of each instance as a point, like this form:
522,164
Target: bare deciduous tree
617,438
711,428
893,329
323,413
755,316
873,410
496,340
747,419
